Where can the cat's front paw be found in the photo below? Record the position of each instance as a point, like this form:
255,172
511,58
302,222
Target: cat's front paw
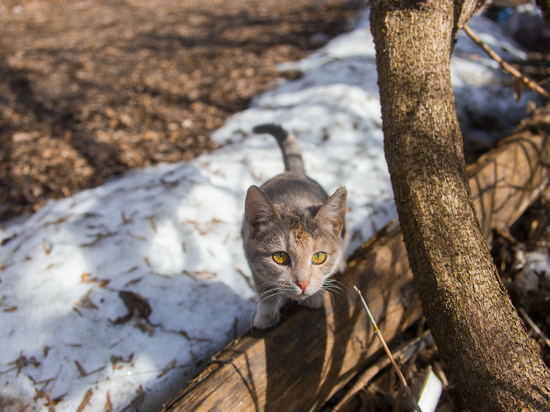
314,302
266,320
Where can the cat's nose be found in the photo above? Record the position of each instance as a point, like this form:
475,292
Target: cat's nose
303,284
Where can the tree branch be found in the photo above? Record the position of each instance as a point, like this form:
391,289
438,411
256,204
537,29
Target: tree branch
505,66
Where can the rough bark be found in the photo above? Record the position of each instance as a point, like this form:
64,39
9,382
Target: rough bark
299,364
477,330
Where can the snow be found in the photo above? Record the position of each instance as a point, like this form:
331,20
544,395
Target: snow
170,235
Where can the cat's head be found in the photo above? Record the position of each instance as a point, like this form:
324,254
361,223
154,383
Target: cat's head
294,251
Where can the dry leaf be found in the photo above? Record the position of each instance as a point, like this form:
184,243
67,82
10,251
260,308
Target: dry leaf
108,405
22,362
196,226
118,359
86,400
133,282
47,246
142,238
58,221
126,220
103,283
135,304
204,275
81,370
85,278
85,301
168,368
98,238
153,224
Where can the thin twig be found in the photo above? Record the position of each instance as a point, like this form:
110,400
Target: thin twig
505,66
534,326
388,352
402,354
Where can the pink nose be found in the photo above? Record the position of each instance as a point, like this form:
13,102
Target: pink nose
303,284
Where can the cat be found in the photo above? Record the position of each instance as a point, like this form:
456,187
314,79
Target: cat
294,235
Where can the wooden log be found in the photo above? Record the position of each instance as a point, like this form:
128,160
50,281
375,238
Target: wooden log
311,354
507,179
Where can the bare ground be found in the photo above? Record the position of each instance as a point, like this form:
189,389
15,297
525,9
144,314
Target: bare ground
92,88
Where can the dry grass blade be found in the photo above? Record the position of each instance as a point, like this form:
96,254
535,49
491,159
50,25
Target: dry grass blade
388,352
86,400
534,326
171,365
402,354
108,405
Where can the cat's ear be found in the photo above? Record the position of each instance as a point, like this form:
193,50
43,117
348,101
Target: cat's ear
258,209
332,214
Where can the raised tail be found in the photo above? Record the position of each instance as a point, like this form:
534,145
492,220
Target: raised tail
292,155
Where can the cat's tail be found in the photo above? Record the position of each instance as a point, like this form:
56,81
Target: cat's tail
292,155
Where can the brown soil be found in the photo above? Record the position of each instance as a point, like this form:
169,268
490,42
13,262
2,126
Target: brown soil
92,88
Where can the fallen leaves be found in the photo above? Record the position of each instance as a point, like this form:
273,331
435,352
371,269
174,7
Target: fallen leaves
86,400
98,237
171,365
22,362
87,278
85,302
116,360
47,246
125,219
133,282
43,390
209,225
83,373
136,305
108,405
200,274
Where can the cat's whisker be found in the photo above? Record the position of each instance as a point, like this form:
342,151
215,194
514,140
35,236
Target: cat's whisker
276,310
333,285
331,296
251,309
267,296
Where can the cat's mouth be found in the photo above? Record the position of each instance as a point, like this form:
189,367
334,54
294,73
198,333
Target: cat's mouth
301,295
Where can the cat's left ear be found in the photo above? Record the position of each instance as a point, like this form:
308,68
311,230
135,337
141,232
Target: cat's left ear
333,212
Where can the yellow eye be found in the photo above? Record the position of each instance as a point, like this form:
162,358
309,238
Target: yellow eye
281,258
319,258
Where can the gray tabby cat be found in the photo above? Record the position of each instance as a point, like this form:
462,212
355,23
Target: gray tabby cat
294,235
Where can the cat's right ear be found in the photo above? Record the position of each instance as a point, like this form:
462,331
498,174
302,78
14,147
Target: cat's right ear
258,209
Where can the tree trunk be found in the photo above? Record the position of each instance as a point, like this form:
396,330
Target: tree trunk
477,330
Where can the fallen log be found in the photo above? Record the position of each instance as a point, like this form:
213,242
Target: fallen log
311,354
507,179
